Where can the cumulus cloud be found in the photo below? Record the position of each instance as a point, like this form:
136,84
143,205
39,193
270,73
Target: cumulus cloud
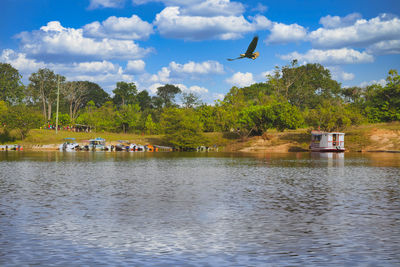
103,72
190,70
172,23
54,42
241,79
105,3
206,67
260,8
208,8
361,34
381,82
282,33
331,57
135,66
119,28
332,22
339,74
385,47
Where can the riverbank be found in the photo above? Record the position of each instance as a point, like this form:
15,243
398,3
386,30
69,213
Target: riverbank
382,137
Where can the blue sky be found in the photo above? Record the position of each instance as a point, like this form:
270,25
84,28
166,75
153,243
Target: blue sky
187,42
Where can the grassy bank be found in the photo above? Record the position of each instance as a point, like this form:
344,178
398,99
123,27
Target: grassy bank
370,137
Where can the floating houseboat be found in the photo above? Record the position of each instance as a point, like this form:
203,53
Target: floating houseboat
97,144
327,142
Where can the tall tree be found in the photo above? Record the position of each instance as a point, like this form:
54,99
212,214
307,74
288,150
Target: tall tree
124,93
75,94
11,87
167,94
190,100
144,100
96,94
43,87
22,119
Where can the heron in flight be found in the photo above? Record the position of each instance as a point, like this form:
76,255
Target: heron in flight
250,51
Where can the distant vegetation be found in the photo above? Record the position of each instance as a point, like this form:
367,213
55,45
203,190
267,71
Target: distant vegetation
294,96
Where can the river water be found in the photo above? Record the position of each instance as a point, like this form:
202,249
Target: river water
199,209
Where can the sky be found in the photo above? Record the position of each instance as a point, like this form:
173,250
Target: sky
187,42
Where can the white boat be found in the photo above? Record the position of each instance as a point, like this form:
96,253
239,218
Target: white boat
69,145
327,142
98,144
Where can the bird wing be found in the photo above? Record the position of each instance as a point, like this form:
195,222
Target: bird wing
252,46
231,59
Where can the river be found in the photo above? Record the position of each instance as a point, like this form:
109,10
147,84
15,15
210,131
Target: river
199,209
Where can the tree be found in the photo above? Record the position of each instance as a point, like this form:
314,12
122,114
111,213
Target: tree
128,117
144,100
124,94
11,87
43,87
96,94
22,119
190,100
280,115
182,128
167,94
75,94
304,86
149,126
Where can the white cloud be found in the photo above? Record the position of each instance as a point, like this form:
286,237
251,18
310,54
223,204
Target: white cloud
104,73
153,88
135,66
207,8
260,8
339,74
381,82
172,23
331,22
331,57
119,28
241,79
362,33
105,3
19,61
54,42
282,33
193,89
385,47
193,68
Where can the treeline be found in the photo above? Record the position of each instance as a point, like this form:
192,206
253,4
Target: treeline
294,96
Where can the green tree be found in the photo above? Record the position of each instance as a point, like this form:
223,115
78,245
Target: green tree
304,86
43,88
144,100
128,117
150,126
22,119
190,100
167,94
96,94
124,93
182,128
11,87
280,115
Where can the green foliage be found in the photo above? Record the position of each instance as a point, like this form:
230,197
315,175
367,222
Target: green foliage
182,128
22,119
11,87
124,93
190,100
63,119
167,94
128,117
207,116
280,115
333,116
144,100
150,126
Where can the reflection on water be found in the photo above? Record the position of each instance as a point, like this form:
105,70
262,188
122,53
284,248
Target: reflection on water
199,209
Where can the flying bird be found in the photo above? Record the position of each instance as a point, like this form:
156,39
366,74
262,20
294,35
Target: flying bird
249,53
